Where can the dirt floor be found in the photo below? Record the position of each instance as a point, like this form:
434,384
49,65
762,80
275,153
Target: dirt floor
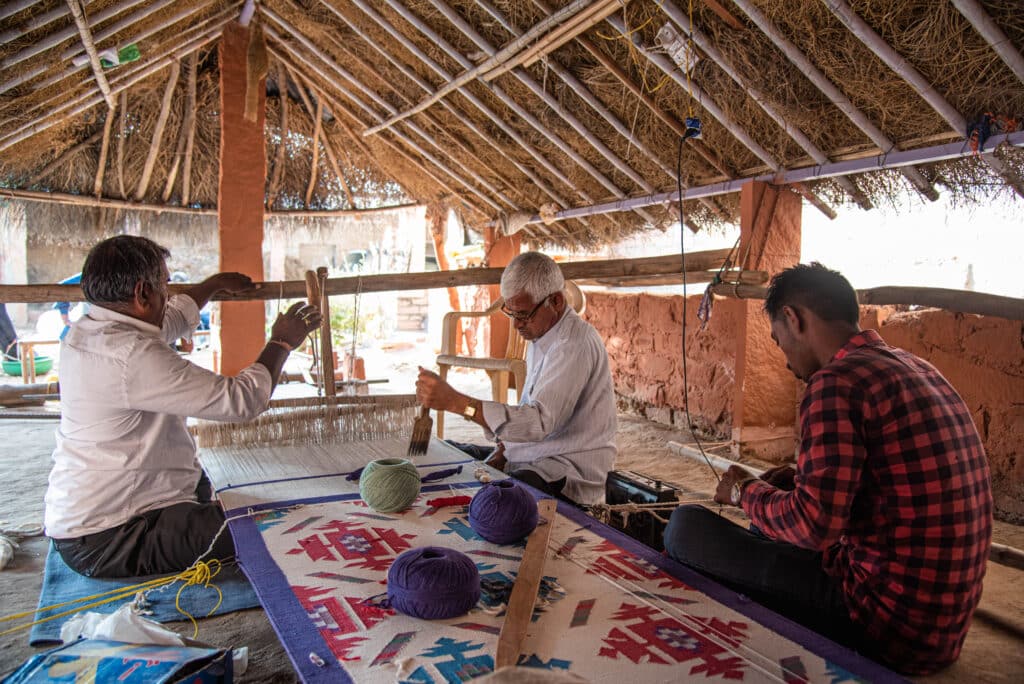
994,651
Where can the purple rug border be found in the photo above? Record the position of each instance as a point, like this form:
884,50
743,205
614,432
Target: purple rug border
849,660
327,498
256,561
229,487
245,529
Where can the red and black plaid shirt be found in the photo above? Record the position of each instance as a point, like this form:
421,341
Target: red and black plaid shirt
892,485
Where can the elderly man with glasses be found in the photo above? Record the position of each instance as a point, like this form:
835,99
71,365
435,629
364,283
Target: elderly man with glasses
560,438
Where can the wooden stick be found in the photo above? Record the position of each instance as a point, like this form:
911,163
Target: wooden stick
318,115
101,164
282,145
66,155
187,132
90,49
123,132
158,132
326,345
524,591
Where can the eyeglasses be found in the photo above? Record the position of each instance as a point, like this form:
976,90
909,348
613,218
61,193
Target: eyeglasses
523,317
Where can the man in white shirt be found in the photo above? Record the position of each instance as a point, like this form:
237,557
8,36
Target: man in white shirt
561,437
127,496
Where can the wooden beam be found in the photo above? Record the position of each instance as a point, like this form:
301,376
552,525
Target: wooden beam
524,590
390,282
692,278
313,167
90,49
723,13
158,131
63,158
122,116
496,59
279,155
186,133
101,163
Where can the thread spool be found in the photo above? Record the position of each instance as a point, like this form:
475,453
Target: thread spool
389,485
433,583
503,512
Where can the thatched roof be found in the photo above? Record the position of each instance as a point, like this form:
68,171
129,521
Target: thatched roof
562,105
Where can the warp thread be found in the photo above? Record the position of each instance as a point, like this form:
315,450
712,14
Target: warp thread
503,512
432,477
389,485
433,583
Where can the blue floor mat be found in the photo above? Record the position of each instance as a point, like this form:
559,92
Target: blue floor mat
61,584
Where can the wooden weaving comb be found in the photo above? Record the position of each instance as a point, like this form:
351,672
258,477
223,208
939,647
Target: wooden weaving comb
524,591
421,433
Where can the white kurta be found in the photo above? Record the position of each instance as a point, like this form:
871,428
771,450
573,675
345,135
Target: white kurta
564,425
122,446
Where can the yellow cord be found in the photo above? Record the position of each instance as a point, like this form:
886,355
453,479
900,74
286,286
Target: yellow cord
199,573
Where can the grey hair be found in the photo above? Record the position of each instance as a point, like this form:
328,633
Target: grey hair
115,265
532,273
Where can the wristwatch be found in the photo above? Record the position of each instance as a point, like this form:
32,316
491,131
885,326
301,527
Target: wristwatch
737,490
469,413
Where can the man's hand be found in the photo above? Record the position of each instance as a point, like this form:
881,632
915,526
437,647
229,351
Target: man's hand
723,494
433,392
780,476
292,326
497,458
230,282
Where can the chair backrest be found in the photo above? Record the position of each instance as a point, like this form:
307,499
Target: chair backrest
574,297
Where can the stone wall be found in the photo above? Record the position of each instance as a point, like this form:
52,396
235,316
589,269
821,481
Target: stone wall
983,357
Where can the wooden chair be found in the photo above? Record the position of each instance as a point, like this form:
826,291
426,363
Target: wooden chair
498,369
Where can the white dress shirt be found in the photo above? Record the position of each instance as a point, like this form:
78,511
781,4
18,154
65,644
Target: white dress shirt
564,425
122,446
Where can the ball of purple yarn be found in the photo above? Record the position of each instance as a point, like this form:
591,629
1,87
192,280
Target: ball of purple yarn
503,512
433,583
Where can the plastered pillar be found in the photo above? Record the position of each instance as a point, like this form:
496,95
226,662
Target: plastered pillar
240,201
765,400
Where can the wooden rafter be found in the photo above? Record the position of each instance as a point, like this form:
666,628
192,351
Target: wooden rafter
282,146
992,34
101,163
63,158
835,96
90,49
318,117
158,131
187,130
346,77
122,117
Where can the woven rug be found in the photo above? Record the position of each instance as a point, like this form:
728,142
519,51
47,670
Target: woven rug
612,610
61,585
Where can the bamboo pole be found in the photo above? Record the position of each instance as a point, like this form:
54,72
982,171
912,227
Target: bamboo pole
993,35
326,341
59,37
493,60
539,91
11,8
186,171
761,99
282,145
63,158
101,163
29,25
380,102
187,131
328,149
83,104
122,134
398,134
906,71
834,94
470,97
90,50
388,282
317,124
158,132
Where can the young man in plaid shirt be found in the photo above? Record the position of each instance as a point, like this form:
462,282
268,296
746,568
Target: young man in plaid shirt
880,536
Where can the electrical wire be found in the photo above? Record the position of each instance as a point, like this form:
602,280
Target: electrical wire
682,256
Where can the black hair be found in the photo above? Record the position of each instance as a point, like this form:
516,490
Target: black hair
114,266
825,292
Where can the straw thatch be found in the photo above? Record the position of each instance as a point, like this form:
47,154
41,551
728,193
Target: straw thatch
497,147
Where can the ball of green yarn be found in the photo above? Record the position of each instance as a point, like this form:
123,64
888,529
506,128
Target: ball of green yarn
389,485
